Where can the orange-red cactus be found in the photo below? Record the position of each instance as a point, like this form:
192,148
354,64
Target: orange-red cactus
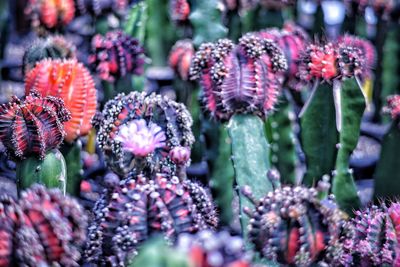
51,13
72,82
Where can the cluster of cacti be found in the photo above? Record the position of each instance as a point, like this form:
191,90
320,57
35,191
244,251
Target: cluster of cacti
140,133
292,226
54,47
51,14
256,61
72,82
372,237
42,228
140,207
115,55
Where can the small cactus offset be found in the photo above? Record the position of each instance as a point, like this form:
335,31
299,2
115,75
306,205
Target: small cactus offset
179,11
138,208
372,237
180,58
72,82
292,226
116,55
43,228
142,133
54,47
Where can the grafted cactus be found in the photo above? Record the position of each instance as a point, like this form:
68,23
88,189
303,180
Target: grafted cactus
139,208
54,47
140,133
42,228
180,58
373,237
179,11
292,226
32,130
116,55
51,14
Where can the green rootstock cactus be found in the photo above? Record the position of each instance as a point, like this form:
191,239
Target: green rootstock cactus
250,155
135,25
282,140
387,175
73,160
51,171
319,135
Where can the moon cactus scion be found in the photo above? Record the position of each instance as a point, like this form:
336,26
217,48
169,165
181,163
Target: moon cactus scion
72,82
180,58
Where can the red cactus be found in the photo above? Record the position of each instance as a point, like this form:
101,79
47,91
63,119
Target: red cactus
51,13
179,10
393,106
320,62
180,58
72,82
33,126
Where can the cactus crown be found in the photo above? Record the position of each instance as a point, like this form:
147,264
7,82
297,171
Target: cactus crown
72,82
140,207
292,226
42,228
256,61
115,55
172,128
32,126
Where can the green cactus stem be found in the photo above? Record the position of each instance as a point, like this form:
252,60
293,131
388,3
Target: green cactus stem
206,21
282,141
352,109
222,178
318,135
135,25
156,253
387,174
72,155
250,156
51,171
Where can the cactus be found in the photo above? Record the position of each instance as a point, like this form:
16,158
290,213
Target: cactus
293,227
161,205
54,47
42,228
206,13
179,11
222,178
135,25
282,142
116,55
352,109
50,15
386,173
180,58
51,171
72,154
159,125
72,82
157,253
372,237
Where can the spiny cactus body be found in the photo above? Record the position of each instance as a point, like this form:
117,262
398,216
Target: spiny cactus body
115,55
54,47
46,227
33,126
139,208
219,66
72,82
292,226
159,126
